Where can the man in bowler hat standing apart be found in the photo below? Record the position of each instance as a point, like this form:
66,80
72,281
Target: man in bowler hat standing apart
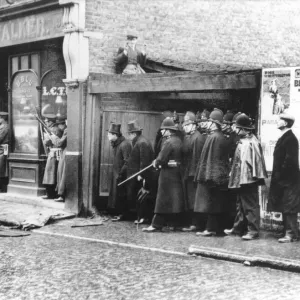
4,136
117,199
248,171
140,157
170,197
284,194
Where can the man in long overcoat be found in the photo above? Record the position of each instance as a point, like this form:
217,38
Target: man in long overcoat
248,171
284,195
170,196
141,156
61,168
50,174
117,199
212,177
193,143
4,136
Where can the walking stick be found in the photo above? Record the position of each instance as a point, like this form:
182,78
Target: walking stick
136,174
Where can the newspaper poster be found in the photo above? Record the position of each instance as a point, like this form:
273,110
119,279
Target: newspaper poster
280,92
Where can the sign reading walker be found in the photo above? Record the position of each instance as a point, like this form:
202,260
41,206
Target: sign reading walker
31,28
280,92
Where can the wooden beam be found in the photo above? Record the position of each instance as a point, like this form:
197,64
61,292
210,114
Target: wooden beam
171,82
210,95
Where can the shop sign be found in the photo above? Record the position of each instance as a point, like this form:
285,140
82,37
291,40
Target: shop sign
54,91
31,28
280,92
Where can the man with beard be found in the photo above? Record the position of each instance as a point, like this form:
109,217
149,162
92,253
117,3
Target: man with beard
193,143
170,196
248,171
117,199
212,176
140,157
284,195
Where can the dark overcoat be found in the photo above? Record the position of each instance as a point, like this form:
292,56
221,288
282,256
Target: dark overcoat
50,174
213,175
284,194
170,196
141,156
122,149
61,168
3,158
192,147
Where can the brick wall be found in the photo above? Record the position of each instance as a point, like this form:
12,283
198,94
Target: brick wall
241,32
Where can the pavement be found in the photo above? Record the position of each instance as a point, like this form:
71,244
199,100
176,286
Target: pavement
264,252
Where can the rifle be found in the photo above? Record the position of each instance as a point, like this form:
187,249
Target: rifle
136,174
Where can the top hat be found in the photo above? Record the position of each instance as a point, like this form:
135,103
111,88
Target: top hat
286,116
131,37
133,126
243,121
235,117
227,119
189,118
48,112
3,113
114,128
216,116
168,123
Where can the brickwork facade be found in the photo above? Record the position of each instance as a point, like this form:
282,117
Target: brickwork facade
249,33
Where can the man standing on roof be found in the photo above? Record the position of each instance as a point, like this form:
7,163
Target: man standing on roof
284,195
248,171
129,59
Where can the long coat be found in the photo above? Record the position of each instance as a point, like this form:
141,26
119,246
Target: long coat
141,156
248,165
3,140
61,168
192,147
213,175
170,196
50,174
122,149
284,194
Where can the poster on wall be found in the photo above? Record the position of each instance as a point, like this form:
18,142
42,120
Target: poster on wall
280,92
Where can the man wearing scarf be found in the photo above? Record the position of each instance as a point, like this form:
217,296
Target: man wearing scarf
248,171
117,199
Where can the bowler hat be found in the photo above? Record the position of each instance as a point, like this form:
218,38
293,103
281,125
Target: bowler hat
48,112
168,123
114,128
3,113
228,117
133,126
243,121
216,116
189,118
286,116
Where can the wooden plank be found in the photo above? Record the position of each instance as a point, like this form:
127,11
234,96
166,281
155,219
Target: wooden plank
220,95
180,81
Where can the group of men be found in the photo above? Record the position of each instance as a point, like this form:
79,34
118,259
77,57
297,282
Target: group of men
55,145
205,176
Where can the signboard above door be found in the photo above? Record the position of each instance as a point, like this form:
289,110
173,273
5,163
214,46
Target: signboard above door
31,28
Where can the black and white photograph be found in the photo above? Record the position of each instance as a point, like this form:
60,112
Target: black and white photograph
149,149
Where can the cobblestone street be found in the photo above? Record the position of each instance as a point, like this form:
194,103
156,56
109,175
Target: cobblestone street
53,267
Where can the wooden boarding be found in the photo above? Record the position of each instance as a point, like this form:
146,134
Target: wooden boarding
172,82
